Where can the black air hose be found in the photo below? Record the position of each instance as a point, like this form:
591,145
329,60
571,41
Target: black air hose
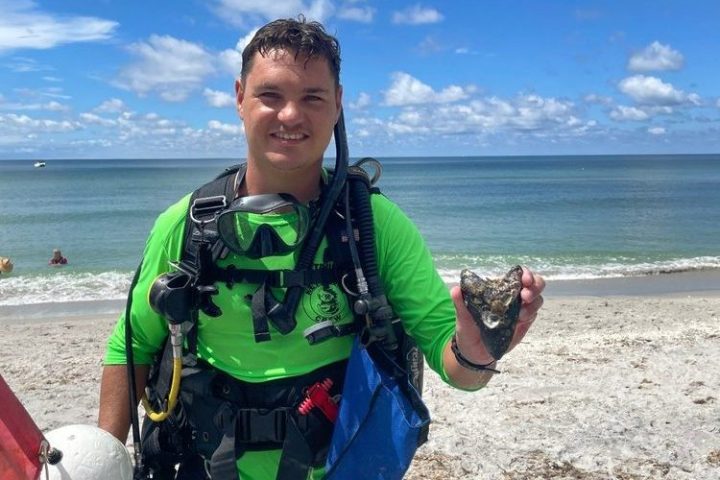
284,312
363,216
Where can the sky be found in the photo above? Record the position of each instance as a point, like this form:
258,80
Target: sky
154,79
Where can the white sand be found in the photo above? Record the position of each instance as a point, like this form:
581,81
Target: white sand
602,388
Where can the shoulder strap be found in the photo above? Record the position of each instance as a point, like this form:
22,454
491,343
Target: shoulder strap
201,245
205,203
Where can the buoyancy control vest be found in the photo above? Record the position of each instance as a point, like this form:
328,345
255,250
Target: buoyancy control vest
219,417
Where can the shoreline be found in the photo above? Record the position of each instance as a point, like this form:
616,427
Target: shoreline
700,282
704,283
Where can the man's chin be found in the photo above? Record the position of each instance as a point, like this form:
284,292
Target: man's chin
290,163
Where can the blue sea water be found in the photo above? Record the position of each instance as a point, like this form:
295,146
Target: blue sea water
567,217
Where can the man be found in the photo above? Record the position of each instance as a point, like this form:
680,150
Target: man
289,98
57,259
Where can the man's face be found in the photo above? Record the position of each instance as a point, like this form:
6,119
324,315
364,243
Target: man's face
289,107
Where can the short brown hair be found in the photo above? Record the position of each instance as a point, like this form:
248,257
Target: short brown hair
297,36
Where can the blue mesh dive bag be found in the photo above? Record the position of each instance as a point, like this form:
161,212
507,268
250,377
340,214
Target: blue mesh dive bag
382,421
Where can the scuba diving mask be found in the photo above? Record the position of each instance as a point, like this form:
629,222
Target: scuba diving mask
259,226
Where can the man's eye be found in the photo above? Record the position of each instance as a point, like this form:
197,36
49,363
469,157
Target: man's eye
269,95
314,98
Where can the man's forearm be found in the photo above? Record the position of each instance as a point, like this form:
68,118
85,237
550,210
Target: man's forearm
114,416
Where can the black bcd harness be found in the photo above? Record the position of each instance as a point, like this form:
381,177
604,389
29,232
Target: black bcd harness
218,417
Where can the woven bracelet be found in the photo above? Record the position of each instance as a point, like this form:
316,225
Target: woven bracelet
464,362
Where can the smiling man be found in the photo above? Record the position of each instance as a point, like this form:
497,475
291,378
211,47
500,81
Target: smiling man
289,102
259,391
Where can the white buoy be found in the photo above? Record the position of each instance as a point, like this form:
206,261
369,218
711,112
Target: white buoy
88,453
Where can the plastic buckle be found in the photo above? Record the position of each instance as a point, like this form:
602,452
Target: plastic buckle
206,207
259,426
320,332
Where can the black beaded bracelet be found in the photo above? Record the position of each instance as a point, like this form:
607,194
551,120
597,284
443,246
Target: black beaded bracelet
464,362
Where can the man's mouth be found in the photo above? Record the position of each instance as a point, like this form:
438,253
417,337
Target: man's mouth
289,137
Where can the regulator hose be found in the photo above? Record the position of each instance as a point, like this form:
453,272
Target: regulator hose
176,340
374,303
132,395
283,314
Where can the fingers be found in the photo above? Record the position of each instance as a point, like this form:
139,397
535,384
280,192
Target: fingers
464,319
521,329
528,314
533,286
529,311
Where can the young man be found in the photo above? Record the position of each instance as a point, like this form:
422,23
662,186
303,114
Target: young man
289,98
57,259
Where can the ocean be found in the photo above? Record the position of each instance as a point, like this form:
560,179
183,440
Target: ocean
569,217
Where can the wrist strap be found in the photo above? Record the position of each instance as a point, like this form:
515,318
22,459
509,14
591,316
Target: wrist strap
464,362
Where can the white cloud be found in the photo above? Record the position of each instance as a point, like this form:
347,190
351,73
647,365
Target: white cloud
226,128
170,66
416,15
523,115
93,119
363,101
622,112
24,65
356,13
594,98
246,12
656,56
430,45
653,91
408,90
533,111
656,130
128,134
51,106
51,92
24,25
466,51
694,98
218,99
26,124
231,59
114,105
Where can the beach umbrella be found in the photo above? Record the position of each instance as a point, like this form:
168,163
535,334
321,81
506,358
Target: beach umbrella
22,445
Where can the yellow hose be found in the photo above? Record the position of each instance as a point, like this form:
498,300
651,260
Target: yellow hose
172,396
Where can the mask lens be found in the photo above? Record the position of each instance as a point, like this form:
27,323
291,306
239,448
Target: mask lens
264,225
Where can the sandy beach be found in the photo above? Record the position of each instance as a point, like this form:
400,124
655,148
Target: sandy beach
604,387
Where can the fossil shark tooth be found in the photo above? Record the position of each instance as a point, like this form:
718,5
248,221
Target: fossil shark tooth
494,304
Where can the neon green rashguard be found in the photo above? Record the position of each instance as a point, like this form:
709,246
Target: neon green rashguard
415,290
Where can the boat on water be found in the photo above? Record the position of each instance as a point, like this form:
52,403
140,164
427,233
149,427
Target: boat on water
39,164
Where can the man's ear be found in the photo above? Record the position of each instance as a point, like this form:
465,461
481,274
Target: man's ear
239,95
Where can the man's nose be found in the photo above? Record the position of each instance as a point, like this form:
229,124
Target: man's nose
290,113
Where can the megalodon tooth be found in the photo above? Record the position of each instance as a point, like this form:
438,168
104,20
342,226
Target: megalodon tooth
494,304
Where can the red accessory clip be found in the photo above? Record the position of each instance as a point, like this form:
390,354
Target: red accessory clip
317,396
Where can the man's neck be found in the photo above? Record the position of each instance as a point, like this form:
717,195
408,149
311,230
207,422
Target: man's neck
303,185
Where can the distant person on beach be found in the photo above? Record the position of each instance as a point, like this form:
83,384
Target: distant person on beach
6,266
57,259
261,399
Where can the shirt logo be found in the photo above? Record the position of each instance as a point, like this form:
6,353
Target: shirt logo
321,303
